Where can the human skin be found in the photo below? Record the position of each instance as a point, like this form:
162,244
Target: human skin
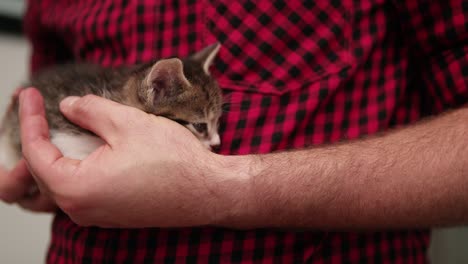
410,177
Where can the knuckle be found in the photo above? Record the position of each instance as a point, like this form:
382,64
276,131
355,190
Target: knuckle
116,121
125,122
85,103
83,107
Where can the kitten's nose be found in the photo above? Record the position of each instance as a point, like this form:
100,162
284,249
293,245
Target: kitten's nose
215,141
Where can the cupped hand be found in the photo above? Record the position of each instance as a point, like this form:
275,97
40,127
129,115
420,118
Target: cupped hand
151,172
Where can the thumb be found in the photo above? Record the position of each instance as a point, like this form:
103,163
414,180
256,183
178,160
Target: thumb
105,118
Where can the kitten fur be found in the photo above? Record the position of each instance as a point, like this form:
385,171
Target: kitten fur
179,89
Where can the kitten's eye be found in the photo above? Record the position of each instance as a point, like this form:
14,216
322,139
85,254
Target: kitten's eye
200,127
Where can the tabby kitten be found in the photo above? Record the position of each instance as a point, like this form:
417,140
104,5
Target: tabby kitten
179,89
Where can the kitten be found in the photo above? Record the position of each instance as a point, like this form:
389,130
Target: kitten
179,89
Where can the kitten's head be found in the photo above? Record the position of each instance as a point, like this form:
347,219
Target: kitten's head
184,91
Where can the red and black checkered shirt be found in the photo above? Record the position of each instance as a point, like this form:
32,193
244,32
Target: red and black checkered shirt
296,74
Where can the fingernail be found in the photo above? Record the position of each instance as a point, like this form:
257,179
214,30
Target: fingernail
69,101
21,95
23,98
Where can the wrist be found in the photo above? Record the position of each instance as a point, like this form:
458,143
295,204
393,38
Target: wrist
233,178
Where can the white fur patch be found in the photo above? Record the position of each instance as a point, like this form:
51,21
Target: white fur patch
75,146
8,156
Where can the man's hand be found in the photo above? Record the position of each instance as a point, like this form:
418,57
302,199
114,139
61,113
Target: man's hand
151,172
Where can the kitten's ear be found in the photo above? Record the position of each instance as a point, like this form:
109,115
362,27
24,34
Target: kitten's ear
206,56
166,78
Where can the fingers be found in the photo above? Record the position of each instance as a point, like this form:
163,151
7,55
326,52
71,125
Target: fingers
38,203
103,117
15,184
44,159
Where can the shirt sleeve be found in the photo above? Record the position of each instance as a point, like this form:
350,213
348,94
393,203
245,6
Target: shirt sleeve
437,34
46,47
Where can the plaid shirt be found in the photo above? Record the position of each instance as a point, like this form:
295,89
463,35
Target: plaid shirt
295,74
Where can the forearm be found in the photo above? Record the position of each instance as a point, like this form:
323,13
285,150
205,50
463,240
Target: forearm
411,177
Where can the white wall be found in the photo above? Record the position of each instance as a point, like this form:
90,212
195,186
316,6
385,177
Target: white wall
449,246
23,236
